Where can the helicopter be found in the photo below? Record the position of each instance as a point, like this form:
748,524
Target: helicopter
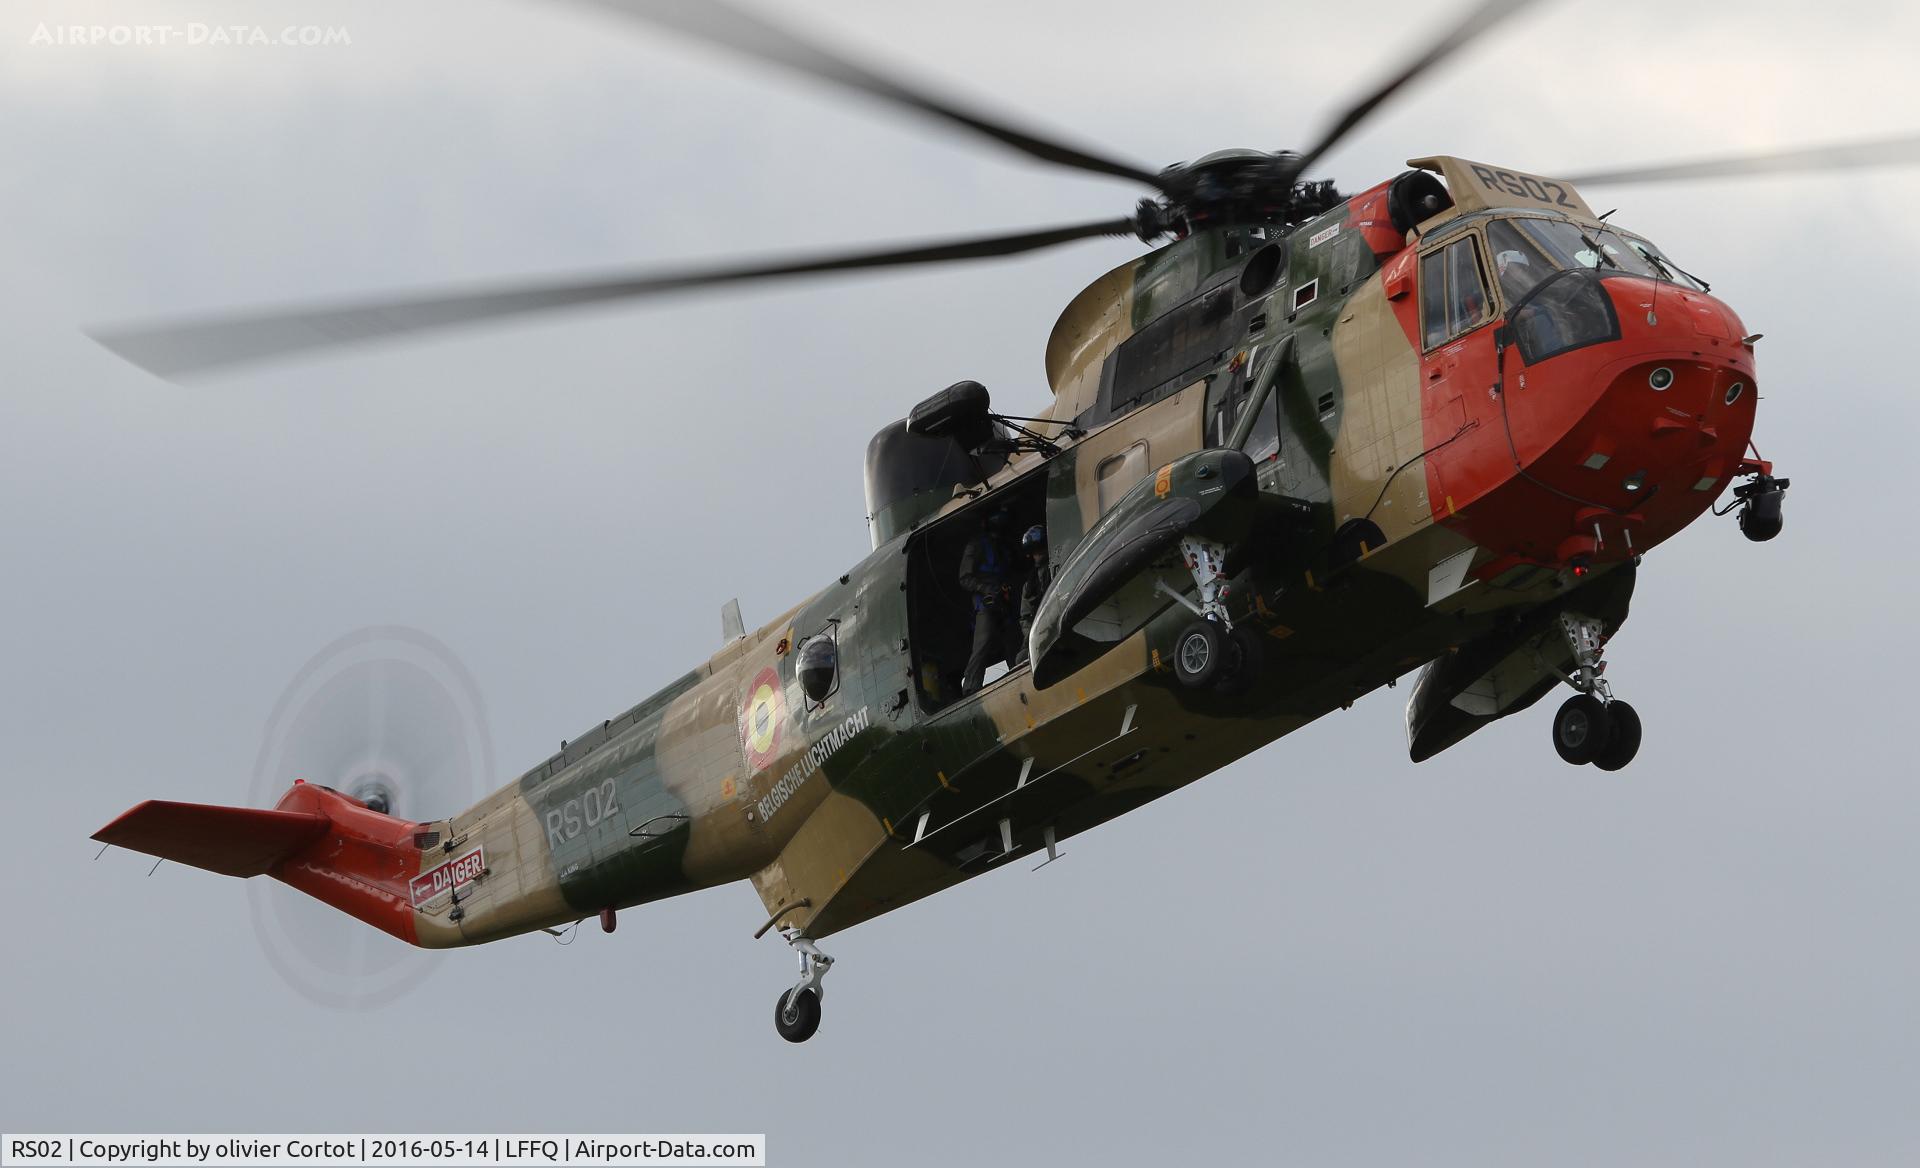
1311,443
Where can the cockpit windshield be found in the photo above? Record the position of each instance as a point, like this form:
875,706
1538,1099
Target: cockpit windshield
1653,255
1527,251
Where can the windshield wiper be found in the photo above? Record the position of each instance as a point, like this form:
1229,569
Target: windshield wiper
1593,245
1669,266
1600,255
1662,264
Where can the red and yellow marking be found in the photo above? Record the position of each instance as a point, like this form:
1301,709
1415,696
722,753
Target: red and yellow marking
761,717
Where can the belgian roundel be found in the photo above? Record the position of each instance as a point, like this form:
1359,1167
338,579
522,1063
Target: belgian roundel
761,717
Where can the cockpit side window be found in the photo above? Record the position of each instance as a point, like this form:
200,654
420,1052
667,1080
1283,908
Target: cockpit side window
1453,292
1433,297
1466,291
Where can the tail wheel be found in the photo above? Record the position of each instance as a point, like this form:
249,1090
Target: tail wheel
1199,654
796,1015
1623,737
1580,729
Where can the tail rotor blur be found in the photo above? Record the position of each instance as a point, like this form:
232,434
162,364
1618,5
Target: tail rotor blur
390,717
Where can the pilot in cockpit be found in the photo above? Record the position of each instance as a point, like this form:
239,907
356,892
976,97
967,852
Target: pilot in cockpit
1517,276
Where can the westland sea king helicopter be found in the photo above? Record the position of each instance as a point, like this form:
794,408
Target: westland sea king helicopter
1310,443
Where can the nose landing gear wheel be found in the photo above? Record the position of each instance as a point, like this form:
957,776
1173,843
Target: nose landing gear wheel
796,1014
1623,737
1581,728
1198,654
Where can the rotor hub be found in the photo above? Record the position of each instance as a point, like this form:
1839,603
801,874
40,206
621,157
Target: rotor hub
1231,188
375,789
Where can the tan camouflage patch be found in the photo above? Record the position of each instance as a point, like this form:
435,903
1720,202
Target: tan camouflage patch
1377,468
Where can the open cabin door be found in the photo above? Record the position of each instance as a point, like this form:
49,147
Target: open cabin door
941,610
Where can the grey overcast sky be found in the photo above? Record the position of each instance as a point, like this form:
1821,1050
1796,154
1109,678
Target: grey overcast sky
1321,955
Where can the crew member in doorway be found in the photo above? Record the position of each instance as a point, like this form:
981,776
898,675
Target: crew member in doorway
988,572
1033,546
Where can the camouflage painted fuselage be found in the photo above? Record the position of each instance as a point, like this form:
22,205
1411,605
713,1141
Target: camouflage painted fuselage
1445,489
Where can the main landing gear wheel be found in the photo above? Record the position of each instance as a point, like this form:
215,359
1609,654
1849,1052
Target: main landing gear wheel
796,1015
1623,737
1199,654
1592,726
1244,657
1580,729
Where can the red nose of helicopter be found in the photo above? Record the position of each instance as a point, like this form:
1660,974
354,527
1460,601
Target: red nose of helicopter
1672,410
1621,409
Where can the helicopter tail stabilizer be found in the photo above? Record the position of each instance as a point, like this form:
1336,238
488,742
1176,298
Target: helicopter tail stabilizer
233,841
330,846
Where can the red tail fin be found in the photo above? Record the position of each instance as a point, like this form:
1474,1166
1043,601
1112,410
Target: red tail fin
328,846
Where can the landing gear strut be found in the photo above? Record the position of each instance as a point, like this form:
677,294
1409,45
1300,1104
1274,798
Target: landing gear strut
797,1014
1213,651
1593,726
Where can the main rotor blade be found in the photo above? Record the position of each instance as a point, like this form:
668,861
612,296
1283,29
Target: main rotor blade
197,346
1903,151
720,23
1468,28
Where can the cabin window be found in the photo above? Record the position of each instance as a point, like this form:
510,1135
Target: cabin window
818,666
1117,473
1453,292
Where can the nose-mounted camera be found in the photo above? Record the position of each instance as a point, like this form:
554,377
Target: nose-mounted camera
1759,503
